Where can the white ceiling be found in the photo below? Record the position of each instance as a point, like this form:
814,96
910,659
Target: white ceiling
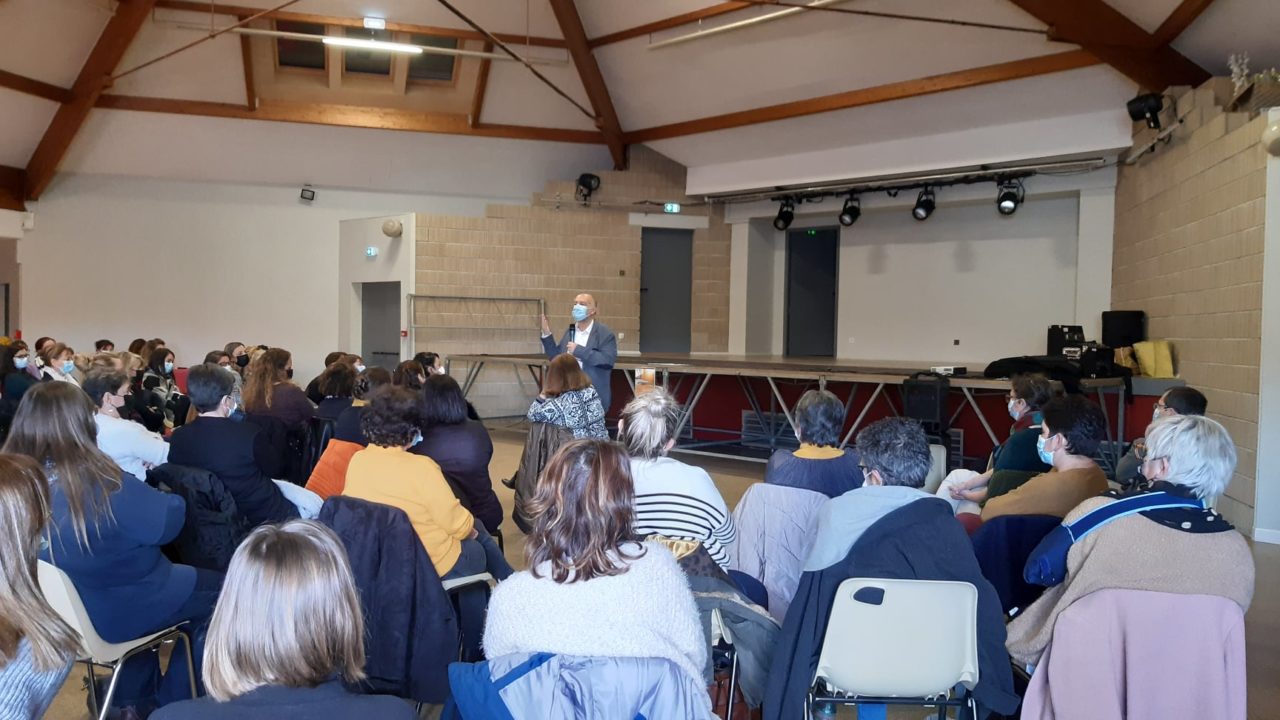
805,55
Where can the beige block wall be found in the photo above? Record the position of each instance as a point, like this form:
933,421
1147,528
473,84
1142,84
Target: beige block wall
1188,251
551,250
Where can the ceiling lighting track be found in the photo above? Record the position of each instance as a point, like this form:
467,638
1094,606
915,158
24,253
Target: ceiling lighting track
768,17
909,181
376,44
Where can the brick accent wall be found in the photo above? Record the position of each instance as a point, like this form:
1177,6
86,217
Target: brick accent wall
551,250
1188,251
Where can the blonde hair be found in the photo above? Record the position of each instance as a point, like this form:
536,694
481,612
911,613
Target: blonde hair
24,505
55,426
106,361
132,362
288,614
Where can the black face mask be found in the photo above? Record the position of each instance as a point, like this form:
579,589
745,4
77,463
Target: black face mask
243,360
289,373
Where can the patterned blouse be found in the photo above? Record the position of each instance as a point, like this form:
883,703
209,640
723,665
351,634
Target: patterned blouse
579,411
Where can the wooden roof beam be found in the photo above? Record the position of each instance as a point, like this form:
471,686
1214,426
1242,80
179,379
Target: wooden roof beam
1116,40
1179,20
241,13
34,87
972,77
13,187
348,116
482,85
106,54
668,23
575,37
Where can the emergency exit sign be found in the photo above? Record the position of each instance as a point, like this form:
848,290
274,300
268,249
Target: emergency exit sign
671,208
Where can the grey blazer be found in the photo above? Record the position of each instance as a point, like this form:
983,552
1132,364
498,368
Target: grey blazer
597,357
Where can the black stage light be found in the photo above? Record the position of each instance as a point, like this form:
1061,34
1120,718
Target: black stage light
924,205
1146,107
851,212
1009,197
786,213
587,184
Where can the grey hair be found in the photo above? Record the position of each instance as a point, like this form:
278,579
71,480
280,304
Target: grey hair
898,449
820,416
649,423
1199,451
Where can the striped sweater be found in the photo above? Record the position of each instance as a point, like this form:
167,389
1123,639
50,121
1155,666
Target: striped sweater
681,501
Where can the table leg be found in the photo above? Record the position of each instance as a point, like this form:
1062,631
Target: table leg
968,396
865,409
473,372
786,412
693,403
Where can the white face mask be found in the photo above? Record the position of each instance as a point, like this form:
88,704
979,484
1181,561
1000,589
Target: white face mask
359,367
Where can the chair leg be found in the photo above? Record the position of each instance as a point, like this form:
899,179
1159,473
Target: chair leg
111,689
191,666
733,684
92,688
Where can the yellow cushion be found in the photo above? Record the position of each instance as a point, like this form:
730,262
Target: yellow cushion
1155,358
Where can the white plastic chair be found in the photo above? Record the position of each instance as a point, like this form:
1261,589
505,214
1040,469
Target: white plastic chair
94,651
899,642
938,469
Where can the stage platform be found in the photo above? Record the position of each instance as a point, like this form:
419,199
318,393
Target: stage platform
772,369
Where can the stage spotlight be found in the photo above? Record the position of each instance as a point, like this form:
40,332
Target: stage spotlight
1009,197
851,212
587,184
924,205
786,213
1146,107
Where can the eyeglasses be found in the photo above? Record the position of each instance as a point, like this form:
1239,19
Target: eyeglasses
1161,407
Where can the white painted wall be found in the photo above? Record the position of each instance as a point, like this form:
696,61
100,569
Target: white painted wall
908,289
395,261
198,264
1266,523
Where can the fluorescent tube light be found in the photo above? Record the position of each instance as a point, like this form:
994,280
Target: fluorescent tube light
373,45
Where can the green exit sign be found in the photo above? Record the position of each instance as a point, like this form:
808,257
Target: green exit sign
671,208
810,232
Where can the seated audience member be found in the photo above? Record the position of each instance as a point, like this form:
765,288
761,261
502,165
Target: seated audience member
1178,544
160,390
17,380
386,472
286,634
583,556
136,403
59,363
223,360
431,362
149,348
107,530
313,388
37,648
35,363
1073,427
1176,401
43,344
888,528
81,363
239,355
967,490
569,401
673,499
819,465
409,374
135,347
348,426
357,363
134,448
104,346
269,390
239,453
335,385
461,448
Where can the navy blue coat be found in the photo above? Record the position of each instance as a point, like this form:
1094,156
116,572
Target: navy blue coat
1002,546
918,541
329,701
124,580
241,456
597,357
411,633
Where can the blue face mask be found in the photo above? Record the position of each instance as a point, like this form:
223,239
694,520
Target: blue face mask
416,439
67,367
579,313
1046,457
1013,413
168,367
21,363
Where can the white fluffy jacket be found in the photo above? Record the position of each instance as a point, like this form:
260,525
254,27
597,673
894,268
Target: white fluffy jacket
647,611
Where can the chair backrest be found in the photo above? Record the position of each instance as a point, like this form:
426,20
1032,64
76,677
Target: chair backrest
938,471
901,638
62,596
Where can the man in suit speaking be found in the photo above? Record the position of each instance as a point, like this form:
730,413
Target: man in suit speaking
591,342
